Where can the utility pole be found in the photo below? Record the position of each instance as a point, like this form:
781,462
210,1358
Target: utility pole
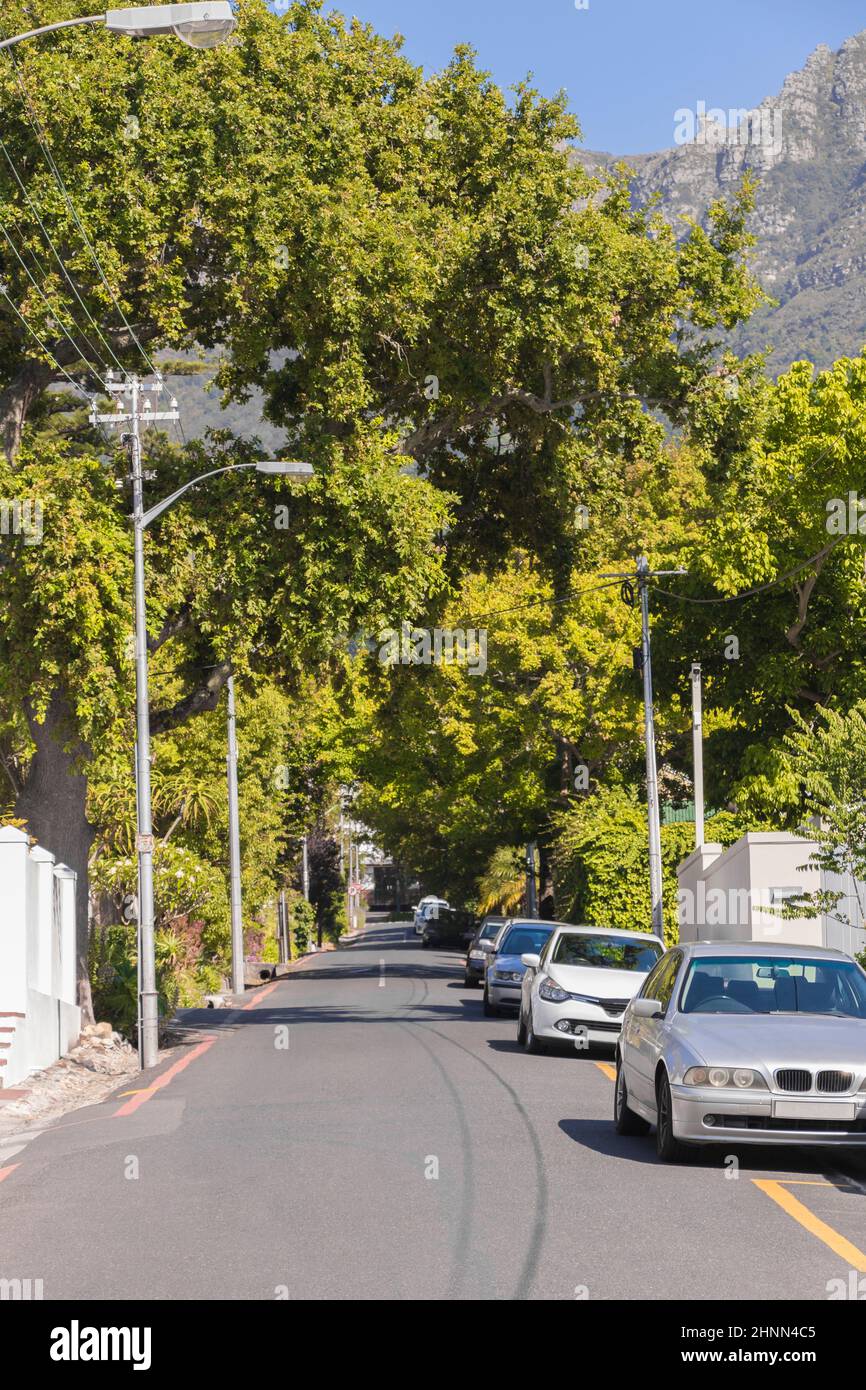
238,980
139,409
641,576
531,891
698,750
305,869
652,790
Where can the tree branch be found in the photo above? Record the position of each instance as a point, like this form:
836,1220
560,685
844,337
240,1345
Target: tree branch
172,627
205,698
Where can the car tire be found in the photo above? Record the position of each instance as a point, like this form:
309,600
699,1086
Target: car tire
490,1010
521,1029
533,1043
625,1121
668,1147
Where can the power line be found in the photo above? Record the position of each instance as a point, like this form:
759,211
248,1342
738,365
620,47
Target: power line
548,602
39,131
47,351
760,588
64,330
57,255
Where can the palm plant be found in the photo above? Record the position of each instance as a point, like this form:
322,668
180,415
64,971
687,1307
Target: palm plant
502,886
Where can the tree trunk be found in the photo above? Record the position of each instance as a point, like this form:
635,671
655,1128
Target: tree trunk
54,804
17,401
546,903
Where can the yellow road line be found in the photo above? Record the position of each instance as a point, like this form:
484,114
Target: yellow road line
817,1182
608,1068
813,1224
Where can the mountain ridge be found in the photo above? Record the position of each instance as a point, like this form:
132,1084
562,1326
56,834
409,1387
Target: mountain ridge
807,148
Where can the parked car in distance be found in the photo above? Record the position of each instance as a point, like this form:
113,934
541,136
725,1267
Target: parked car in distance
576,989
745,1043
450,928
504,972
475,957
427,907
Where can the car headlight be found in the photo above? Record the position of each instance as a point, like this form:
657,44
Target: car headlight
476,955
552,992
507,975
742,1078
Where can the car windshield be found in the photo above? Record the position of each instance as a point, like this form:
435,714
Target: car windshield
773,985
520,940
488,930
605,952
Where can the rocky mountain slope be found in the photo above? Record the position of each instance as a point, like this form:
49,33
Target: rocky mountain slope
807,147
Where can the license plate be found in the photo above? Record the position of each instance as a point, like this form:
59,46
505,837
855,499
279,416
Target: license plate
813,1110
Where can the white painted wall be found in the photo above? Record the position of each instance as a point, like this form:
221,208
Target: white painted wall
724,895
37,956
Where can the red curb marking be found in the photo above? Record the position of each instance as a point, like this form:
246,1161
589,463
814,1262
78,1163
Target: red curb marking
4,1172
142,1096
261,994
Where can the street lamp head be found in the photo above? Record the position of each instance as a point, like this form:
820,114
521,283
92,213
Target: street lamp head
286,468
201,25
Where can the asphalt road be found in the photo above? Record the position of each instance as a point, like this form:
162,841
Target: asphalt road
361,1131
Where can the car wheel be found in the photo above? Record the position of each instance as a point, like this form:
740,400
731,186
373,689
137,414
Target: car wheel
625,1120
668,1147
532,1043
490,1010
521,1029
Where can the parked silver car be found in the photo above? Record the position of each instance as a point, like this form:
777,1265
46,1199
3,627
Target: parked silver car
745,1043
505,969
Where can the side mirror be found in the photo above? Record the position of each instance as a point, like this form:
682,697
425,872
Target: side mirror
531,961
486,946
646,1008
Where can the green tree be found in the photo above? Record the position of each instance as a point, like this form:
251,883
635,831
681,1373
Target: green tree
466,334
827,756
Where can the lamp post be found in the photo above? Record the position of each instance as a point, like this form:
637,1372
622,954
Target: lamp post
148,1027
149,1013
200,25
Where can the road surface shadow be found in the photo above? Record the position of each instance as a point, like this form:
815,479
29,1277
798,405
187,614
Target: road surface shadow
601,1054
602,1138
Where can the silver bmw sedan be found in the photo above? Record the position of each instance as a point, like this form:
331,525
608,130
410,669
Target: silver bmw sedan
745,1043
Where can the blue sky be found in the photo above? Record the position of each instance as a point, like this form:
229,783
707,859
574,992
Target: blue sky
626,65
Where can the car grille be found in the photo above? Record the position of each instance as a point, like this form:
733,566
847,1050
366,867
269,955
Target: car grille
597,1024
834,1081
793,1079
776,1123
613,1006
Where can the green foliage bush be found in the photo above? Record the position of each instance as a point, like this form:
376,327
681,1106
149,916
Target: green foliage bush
303,924
192,935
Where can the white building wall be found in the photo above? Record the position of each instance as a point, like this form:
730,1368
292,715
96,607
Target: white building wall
37,957
725,895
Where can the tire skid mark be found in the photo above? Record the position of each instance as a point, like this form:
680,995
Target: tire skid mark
536,1241
533,1255
463,1243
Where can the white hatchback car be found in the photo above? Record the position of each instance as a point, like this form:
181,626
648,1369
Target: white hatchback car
577,989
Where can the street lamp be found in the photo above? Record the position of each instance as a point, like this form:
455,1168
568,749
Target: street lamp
149,1013
133,415
203,25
